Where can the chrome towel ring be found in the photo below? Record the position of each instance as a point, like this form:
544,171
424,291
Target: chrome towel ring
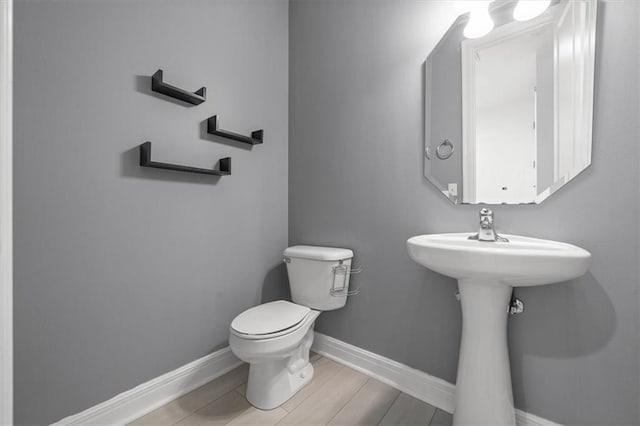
443,155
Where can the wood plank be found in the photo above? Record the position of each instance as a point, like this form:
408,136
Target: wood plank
407,410
328,400
219,412
254,416
368,406
441,418
187,404
323,370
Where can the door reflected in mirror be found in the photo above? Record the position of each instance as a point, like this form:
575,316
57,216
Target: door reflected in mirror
512,109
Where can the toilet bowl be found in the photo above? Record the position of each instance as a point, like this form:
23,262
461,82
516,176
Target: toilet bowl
275,337
278,358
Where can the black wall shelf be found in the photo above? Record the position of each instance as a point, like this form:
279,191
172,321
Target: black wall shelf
145,161
157,85
213,124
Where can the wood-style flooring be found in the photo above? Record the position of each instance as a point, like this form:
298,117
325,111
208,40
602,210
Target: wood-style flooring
337,395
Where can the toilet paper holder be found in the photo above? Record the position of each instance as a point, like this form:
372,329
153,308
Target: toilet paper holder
341,274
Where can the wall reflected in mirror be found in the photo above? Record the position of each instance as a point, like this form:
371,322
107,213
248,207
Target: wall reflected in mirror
509,114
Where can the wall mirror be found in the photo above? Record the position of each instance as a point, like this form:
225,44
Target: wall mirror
509,112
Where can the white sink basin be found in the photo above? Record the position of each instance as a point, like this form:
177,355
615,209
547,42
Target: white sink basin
523,261
486,274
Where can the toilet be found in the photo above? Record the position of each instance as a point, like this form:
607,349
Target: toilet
275,337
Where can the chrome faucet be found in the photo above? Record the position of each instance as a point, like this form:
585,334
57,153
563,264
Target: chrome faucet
486,232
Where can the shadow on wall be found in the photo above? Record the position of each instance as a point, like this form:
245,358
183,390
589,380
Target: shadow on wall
276,285
435,305
567,320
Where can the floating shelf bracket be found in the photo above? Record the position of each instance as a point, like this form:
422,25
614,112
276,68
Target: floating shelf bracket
213,124
145,161
157,85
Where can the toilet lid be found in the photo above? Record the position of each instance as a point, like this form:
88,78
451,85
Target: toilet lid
269,318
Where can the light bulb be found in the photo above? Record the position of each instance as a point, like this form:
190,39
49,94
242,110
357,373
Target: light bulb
480,22
529,9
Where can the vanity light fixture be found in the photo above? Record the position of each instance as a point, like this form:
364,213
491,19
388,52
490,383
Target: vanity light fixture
480,22
529,9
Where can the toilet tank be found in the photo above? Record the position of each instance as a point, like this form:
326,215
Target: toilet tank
318,276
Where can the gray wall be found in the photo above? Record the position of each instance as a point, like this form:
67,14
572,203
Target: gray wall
355,176
123,273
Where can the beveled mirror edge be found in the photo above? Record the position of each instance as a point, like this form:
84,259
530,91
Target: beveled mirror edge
461,19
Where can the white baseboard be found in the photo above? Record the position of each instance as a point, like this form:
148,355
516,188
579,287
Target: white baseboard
142,399
420,385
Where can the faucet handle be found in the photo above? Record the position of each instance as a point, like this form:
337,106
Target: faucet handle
486,218
485,212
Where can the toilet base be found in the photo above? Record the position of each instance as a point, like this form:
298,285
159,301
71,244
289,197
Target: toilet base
273,382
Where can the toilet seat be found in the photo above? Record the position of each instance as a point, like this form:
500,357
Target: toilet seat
269,320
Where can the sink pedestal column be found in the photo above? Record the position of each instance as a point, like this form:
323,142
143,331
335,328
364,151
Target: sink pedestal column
483,385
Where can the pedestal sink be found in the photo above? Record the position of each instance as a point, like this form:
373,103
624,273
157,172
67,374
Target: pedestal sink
486,274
